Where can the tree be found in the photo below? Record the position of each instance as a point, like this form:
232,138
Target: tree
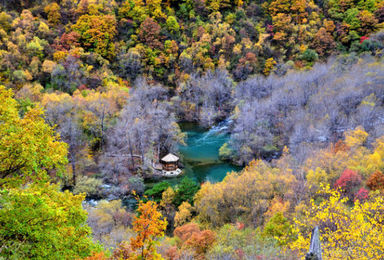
253,189
110,222
206,98
40,222
149,33
61,111
323,42
233,242
53,12
268,67
184,214
97,33
317,177
279,228
28,146
368,22
5,21
129,64
185,191
355,233
157,190
376,181
149,226
146,129
172,24
309,55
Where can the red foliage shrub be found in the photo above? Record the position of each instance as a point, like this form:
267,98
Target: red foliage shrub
240,225
67,41
376,181
185,232
361,195
363,38
193,238
349,182
172,253
150,33
200,242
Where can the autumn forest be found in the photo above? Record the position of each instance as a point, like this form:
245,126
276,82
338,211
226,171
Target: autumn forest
97,97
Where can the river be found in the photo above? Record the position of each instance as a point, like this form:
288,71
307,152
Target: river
200,156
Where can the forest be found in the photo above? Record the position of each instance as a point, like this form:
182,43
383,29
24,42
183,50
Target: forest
93,93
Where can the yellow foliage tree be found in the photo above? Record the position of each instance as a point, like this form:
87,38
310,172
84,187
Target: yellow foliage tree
184,214
317,177
28,146
53,12
356,137
346,233
269,64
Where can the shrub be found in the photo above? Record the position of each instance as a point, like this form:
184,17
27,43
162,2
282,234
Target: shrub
362,195
376,181
349,182
309,55
200,241
88,185
279,228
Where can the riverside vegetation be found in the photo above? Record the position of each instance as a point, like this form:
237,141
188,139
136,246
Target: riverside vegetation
276,108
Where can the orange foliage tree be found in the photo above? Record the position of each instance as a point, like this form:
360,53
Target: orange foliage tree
149,225
376,181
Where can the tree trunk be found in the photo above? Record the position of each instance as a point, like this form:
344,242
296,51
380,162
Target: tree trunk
131,152
102,129
73,165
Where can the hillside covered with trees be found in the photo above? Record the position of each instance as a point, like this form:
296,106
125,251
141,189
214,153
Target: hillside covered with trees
94,92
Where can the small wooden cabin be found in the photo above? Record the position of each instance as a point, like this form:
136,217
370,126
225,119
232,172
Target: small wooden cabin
170,162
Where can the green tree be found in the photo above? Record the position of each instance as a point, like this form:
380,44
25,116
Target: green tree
185,191
40,222
157,190
172,24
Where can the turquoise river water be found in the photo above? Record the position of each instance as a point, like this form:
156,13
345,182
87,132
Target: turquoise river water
200,155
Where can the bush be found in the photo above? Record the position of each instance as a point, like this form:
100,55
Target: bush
191,237
225,152
309,55
279,228
88,185
349,182
376,181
